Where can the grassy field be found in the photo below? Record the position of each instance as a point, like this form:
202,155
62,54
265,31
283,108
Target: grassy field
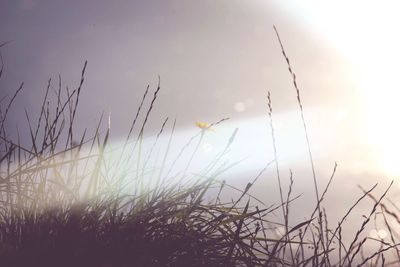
64,201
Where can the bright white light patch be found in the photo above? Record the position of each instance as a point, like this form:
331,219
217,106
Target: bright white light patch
207,148
378,234
366,33
239,107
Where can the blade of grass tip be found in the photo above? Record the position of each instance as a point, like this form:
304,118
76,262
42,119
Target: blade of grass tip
285,216
219,156
94,179
218,172
365,222
57,137
249,185
296,227
72,178
94,140
58,93
47,122
138,163
70,102
12,101
154,145
383,206
202,133
391,232
1,57
31,133
54,123
218,122
222,170
58,106
165,156
217,199
275,151
152,173
137,114
183,149
377,254
2,64
42,108
140,136
319,203
124,146
5,43
76,102
302,118
349,211
151,106
194,153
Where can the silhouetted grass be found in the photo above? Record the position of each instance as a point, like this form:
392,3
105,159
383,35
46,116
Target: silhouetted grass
69,200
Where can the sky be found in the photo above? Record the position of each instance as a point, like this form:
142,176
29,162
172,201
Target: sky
218,59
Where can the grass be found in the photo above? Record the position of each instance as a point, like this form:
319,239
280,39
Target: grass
65,202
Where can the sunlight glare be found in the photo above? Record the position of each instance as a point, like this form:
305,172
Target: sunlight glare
366,33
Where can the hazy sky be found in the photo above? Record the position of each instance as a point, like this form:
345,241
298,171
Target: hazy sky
210,54
216,59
